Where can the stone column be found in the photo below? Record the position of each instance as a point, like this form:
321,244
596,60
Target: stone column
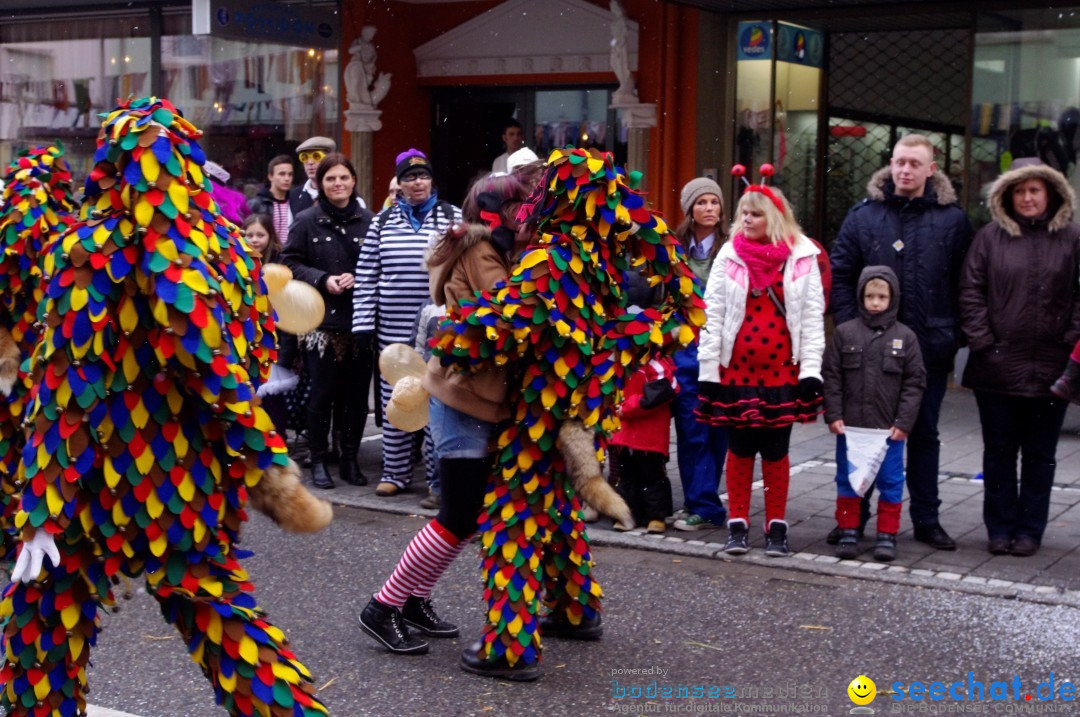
638,118
362,124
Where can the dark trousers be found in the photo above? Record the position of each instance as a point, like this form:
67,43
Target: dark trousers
1030,427
702,449
643,483
924,453
339,390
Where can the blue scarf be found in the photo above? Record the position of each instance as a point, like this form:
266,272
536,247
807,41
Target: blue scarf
417,213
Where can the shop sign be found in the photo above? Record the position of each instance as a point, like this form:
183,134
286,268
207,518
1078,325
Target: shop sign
264,21
754,39
800,45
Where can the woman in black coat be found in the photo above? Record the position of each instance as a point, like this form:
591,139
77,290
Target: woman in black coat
1020,310
324,244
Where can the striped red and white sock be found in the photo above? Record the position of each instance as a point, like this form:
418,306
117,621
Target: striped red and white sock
425,559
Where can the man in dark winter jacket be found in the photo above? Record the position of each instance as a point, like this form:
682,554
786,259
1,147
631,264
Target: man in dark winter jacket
874,378
911,223
273,199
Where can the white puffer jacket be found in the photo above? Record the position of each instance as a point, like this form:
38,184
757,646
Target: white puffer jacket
725,309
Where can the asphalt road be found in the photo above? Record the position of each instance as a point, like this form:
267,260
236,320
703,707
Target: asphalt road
739,629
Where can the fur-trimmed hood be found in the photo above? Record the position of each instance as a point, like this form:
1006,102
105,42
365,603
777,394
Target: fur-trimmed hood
880,186
1061,203
440,273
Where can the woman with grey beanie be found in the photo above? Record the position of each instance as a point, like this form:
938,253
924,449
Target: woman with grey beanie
701,448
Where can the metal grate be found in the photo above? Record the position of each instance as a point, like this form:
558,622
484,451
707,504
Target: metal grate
883,85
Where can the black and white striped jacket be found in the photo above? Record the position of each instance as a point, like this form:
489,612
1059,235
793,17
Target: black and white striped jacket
391,280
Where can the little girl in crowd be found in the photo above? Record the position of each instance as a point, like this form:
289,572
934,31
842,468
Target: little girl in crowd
640,446
261,237
760,354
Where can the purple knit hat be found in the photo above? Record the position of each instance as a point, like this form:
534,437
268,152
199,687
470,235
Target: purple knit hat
411,159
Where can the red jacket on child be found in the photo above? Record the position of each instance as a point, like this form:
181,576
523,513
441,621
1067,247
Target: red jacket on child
646,429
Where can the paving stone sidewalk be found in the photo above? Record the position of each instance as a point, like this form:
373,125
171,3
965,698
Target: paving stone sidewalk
1052,575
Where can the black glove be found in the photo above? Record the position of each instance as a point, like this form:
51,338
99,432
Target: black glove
810,389
657,393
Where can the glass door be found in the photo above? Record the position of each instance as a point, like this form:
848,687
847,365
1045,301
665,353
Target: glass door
777,97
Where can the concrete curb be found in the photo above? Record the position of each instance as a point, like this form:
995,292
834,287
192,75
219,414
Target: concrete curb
801,562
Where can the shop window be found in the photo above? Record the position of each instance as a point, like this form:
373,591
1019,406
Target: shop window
252,100
577,117
1025,94
54,81
778,85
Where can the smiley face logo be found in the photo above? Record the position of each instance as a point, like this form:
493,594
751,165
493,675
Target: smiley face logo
862,690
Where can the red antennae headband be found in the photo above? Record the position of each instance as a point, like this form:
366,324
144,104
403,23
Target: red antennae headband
766,170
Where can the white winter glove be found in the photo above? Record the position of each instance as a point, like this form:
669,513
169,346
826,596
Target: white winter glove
28,565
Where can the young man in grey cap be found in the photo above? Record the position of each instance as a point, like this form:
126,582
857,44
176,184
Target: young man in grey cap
311,151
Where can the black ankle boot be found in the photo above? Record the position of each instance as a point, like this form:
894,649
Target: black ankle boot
558,626
349,471
847,546
776,541
387,626
1068,386
520,672
885,550
419,613
320,477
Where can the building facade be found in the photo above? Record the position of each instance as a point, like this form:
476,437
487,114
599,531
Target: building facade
819,89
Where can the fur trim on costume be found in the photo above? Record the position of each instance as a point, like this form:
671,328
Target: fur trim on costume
472,235
281,497
1001,205
9,362
946,195
579,451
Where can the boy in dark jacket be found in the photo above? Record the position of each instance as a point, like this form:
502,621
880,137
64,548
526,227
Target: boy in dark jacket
874,378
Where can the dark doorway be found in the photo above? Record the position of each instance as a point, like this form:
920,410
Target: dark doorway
468,125
467,134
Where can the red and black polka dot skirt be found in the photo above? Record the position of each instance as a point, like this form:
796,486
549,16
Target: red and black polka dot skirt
759,387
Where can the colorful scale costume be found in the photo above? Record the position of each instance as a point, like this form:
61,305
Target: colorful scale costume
145,435
562,318
36,207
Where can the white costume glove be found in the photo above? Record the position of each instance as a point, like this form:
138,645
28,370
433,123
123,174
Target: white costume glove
28,565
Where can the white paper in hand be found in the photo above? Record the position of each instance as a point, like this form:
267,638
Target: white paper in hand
866,448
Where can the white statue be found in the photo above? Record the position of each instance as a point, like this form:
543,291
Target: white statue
620,57
363,89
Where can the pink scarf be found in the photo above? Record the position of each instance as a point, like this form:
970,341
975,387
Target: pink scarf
763,259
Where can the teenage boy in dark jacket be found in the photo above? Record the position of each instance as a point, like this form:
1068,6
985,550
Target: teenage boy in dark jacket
874,378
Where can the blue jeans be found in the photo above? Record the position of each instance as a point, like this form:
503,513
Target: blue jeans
890,476
456,434
702,448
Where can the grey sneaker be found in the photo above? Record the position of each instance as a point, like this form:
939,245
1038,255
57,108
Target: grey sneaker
431,501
